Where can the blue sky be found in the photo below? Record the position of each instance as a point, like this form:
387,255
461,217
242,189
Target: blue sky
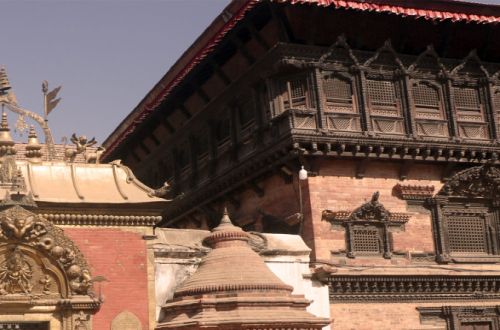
106,54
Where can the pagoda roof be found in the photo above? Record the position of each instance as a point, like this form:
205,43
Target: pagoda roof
237,10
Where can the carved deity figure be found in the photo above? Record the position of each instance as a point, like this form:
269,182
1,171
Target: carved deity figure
15,274
17,227
21,227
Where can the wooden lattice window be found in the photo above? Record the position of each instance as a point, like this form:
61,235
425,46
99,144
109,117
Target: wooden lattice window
338,95
368,228
382,93
367,240
468,103
427,101
496,106
295,93
467,234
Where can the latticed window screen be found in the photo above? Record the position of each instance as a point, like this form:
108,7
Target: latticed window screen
382,93
496,105
467,98
338,95
295,93
467,235
366,240
427,101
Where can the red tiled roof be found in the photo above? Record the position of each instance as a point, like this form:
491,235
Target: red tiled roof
438,10
427,9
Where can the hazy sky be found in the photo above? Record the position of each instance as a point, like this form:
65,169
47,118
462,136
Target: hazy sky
106,54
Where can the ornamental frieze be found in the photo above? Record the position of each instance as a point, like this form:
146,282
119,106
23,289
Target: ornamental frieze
394,288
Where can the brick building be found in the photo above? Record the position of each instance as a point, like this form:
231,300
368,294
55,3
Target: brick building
393,109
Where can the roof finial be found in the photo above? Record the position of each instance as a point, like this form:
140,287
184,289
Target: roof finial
226,231
225,218
33,148
6,142
4,125
4,80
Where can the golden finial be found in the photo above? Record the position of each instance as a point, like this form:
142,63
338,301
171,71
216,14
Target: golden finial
4,80
4,125
33,148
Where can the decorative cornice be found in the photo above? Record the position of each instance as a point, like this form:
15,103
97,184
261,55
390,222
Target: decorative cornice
393,288
102,219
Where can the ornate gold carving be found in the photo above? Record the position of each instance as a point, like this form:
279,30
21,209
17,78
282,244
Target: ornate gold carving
101,219
15,274
82,143
19,226
46,282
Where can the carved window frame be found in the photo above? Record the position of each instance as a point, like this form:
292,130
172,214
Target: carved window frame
382,115
445,210
473,194
371,216
496,106
467,119
280,87
435,115
456,316
347,120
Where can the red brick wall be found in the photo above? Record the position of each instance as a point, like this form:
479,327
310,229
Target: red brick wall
337,189
121,257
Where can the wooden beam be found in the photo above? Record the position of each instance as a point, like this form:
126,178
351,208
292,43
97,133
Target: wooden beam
255,187
243,50
168,126
144,147
256,35
217,69
184,111
361,168
404,169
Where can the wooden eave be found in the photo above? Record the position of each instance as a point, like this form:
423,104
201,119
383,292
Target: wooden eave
236,11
